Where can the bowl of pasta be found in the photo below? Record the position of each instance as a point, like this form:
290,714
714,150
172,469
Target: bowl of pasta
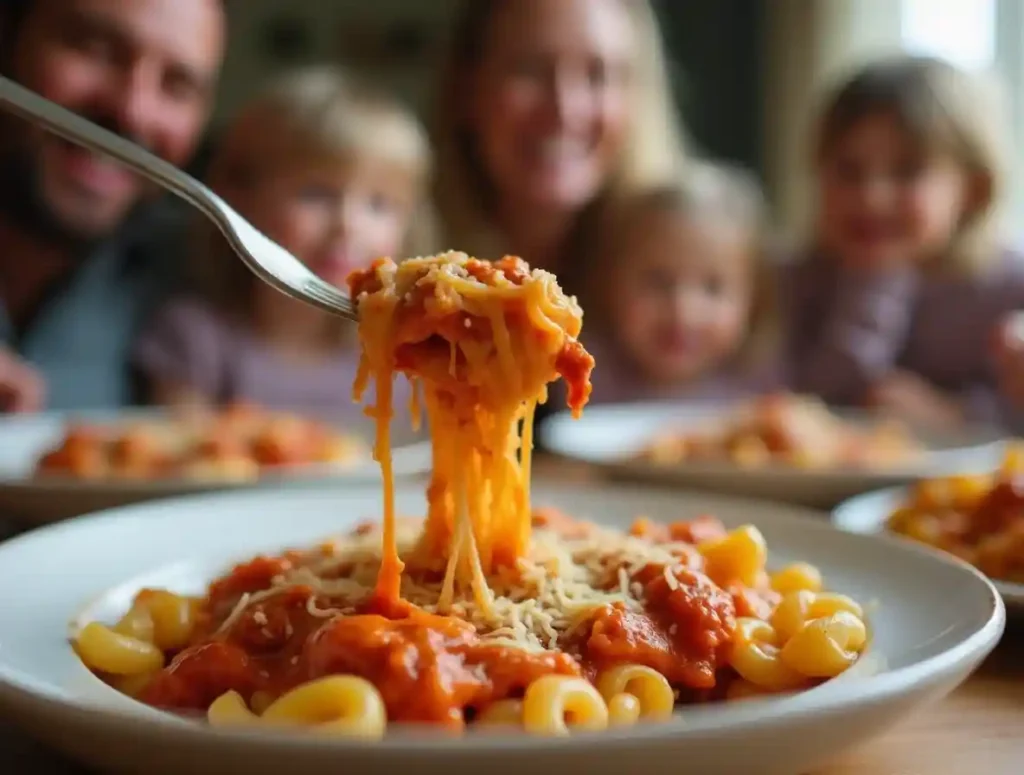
482,620
56,465
783,447
271,642
977,517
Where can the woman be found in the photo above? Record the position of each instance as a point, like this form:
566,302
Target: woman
545,108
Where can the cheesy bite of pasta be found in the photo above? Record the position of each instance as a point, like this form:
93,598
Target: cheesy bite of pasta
488,613
979,518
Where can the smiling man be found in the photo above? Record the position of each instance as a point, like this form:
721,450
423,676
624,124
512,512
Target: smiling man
87,248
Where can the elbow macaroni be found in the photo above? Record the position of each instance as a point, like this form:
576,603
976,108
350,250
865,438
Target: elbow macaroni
809,636
755,656
740,556
824,648
342,705
230,710
158,621
796,577
556,705
623,710
651,689
108,651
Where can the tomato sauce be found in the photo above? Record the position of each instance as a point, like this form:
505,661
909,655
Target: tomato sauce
436,669
684,633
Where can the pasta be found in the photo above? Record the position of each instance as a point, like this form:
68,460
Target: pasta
795,431
341,704
555,703
489,613
234,443
651,692
977,518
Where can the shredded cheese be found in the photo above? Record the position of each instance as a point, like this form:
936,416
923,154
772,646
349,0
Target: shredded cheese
548,595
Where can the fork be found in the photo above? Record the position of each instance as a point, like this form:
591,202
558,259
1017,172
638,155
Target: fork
267,260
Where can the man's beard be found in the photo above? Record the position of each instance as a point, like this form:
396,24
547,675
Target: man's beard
23,201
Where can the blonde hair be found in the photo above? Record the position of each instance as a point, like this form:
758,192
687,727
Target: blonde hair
654,148
708,193
312,116
943,110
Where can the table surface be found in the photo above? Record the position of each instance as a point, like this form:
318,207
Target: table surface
979,726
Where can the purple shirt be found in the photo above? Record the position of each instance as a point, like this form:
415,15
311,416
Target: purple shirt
844,330
193,344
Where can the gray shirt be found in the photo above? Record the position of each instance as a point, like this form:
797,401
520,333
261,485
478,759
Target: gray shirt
80,340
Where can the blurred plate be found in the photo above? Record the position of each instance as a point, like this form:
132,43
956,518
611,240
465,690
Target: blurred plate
611,436
26,497
867,514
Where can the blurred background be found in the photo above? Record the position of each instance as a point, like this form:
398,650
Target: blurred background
745,72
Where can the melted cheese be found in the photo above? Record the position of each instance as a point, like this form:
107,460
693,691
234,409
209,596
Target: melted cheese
503,338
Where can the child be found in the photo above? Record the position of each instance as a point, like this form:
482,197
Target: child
676,292
333,172
898,302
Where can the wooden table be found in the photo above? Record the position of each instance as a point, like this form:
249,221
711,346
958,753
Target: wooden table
980,727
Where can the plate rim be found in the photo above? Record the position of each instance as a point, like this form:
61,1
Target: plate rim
960,657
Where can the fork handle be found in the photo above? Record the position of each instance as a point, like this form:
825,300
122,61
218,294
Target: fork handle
38,110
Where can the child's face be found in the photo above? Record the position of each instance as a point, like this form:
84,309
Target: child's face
335,219
680,294
883,202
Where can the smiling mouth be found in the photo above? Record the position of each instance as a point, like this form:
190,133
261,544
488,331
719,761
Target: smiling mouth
561,152
93,172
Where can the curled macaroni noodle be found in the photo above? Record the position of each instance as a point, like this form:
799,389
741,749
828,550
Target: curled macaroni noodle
755,656
173,617
623,710
739,556
132,685
230,710
344,705
554,704
824,648
798,608
137,624
650,687
796,577
107,651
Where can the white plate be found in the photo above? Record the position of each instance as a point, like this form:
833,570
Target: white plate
936,619
611,436
868,513
38,500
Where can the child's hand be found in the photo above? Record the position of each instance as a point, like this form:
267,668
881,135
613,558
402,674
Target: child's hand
1009,358
916,401
22,389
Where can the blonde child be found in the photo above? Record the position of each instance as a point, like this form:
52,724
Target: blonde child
677,306
335,173
906,283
